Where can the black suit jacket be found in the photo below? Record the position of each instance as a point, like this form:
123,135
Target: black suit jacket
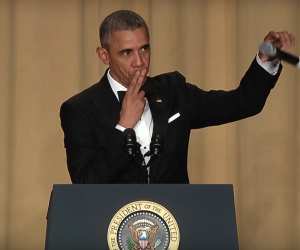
95,148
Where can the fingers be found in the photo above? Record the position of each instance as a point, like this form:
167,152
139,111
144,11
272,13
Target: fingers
141,95
139,81
271,36
283,40
288,41
134,80
134,102
134,91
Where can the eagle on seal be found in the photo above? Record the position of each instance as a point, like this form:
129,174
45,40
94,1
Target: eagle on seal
143,238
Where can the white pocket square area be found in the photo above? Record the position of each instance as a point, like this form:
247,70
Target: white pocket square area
173,117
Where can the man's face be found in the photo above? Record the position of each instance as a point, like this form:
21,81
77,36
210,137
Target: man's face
127,53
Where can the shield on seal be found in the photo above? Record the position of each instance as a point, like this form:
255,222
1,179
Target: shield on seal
143,239
143,243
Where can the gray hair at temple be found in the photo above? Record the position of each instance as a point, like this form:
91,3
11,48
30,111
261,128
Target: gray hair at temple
120,20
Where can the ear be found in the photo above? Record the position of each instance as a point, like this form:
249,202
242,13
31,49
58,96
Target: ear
103,55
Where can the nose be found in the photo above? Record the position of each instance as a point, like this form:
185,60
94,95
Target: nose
138,60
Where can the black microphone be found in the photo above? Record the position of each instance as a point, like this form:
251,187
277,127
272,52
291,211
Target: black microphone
155,145
270,50
130,141
132,147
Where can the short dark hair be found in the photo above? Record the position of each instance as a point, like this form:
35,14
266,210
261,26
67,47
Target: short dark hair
120,20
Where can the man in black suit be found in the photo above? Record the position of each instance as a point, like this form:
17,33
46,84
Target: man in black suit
144,137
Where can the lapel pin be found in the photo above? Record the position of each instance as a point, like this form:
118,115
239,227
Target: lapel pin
158,100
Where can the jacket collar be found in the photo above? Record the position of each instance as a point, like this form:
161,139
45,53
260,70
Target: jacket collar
106,102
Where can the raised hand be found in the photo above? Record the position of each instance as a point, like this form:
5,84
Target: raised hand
134,101
282,40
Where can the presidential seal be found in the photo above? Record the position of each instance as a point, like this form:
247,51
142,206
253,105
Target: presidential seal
143,225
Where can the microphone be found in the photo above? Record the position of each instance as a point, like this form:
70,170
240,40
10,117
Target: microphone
132,147
130,142
155,146
270,50
154,152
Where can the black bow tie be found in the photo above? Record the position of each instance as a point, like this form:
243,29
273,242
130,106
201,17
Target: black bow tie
121,95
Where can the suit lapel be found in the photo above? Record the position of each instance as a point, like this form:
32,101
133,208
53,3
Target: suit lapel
159,116
106,102
159,110
158,104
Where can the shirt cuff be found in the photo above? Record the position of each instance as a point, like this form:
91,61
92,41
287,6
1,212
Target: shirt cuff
119,127
271,67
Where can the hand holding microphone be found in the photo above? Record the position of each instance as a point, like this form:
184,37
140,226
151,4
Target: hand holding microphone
276,45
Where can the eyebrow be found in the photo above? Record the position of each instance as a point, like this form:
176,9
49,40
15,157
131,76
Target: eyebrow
145,46
125,50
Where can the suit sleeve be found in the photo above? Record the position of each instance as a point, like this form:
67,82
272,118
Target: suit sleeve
215,107
90,160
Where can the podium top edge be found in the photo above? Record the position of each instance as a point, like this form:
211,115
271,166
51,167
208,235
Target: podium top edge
176,186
